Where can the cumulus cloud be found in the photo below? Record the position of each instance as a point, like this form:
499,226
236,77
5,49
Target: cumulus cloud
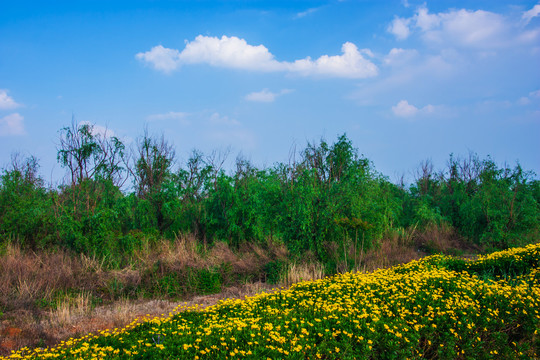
171,115
400,28
230,52
424,20
161,58
262,96
526,100
472,28
12,125
349,65
266,95
236,53
406,110
464,28
6,101
535,94
218,119
534,12
398,56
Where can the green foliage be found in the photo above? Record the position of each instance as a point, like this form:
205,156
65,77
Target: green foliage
90,153
489,205
188,281
330,198
169,285
24,205
207,281
274,271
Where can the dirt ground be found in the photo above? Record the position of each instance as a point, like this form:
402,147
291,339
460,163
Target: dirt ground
46,329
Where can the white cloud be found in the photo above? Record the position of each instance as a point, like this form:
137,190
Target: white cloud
230,52
534,12
400,28
161,58
398,56
171,115
404,109
473,28
426,21
529,36
266,95
526,100
407,71
12,125
428,109
464,28
349,65
262,96
236,53
218,119
6,101
305,13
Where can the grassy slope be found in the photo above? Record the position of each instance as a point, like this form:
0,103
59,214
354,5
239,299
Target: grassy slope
438,307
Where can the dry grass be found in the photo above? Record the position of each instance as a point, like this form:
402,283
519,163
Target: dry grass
187,251
442,238
48,297
394,249
182,252
28,277
404,245
75,318
69,310
297,272
72,320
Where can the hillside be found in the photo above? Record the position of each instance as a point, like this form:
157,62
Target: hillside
438,307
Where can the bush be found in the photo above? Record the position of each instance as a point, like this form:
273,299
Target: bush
274,271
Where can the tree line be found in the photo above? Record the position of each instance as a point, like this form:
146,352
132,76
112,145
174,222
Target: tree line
317,204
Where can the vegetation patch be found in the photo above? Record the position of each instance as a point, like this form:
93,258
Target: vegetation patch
134,224
489,309
331,203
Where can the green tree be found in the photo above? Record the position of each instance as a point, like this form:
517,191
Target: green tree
151,170
24,204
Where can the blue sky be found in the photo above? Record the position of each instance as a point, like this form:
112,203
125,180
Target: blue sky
405,80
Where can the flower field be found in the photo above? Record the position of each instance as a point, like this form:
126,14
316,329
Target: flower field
439,307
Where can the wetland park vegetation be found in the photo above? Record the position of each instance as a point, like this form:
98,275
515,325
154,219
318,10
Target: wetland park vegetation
440,307
137,224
